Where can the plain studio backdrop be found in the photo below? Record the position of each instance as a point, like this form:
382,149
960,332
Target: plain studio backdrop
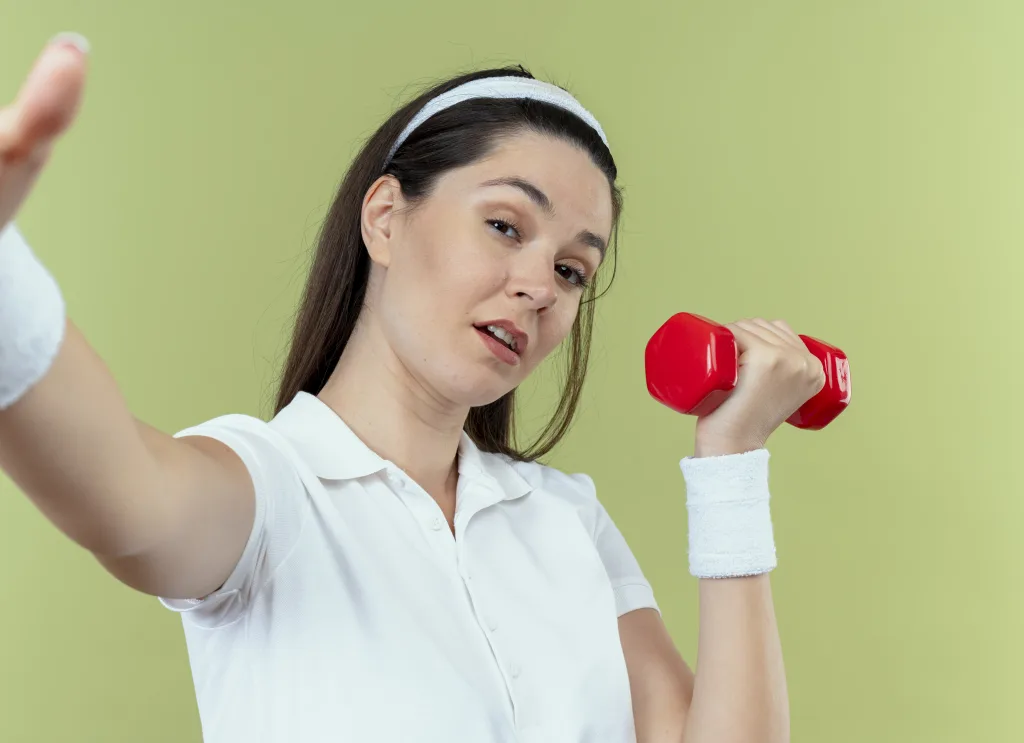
854,168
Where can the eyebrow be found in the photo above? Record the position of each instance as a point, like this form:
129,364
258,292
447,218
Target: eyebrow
541,199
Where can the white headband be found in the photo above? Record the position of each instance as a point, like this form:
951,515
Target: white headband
499,87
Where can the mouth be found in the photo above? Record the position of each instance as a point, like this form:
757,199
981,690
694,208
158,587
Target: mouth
504,339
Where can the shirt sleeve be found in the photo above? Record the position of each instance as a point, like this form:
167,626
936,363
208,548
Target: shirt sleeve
632,590
281,508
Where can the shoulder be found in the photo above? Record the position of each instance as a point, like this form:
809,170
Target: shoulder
255,442
243,425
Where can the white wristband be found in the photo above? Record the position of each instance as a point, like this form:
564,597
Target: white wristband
730,523
32,318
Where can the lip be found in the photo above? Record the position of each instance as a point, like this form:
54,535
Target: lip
521,337
499,349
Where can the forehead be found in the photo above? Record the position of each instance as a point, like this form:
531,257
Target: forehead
576,187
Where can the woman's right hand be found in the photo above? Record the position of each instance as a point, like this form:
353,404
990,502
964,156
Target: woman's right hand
44,109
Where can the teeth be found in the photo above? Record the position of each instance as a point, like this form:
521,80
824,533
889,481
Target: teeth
503,335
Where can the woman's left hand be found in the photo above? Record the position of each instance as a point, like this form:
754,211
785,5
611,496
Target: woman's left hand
777,374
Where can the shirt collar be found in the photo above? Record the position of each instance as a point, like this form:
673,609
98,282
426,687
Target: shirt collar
333,451
327,445
475,465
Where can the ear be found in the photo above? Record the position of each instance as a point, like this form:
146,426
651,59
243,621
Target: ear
379,205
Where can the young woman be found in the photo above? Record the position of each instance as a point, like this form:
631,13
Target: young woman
380,562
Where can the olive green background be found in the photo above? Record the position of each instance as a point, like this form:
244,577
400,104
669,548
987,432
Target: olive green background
856,168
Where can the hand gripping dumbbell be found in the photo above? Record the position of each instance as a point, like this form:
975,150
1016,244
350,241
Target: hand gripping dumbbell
692,366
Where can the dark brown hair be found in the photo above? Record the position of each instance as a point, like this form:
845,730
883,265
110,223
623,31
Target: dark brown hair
336,287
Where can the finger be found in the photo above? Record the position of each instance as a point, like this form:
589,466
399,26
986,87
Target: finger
763,334
782,331
47,101
787,330
9,129
16,182
751,341
750,337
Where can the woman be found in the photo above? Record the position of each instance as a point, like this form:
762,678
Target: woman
380,562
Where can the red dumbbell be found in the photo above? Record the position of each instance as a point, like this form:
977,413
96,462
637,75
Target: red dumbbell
693,364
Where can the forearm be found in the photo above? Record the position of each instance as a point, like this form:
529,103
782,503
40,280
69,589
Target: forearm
740,687
740,693
74,448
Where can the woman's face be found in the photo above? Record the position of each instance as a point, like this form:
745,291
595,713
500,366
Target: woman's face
483,278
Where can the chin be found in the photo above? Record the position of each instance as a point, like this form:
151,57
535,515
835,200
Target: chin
481,394
466,379
475,390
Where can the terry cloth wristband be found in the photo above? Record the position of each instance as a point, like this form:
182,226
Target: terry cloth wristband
730,524
32,318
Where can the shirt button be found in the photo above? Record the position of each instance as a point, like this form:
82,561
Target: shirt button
437,524
514,670
491,623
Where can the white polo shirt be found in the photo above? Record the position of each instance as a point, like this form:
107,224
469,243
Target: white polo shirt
355,615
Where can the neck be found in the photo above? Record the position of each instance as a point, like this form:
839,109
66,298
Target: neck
395,415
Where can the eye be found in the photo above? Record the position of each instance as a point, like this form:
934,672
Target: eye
505,227
575,276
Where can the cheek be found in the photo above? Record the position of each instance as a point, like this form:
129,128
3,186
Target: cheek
460,271
556,326
441,284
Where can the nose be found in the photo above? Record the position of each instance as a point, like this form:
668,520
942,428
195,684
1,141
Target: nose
533,281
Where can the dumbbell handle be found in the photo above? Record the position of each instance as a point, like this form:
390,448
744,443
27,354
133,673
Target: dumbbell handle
693,365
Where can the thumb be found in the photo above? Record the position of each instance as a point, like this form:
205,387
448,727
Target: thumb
48,100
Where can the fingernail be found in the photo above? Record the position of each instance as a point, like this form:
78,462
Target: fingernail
70,38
